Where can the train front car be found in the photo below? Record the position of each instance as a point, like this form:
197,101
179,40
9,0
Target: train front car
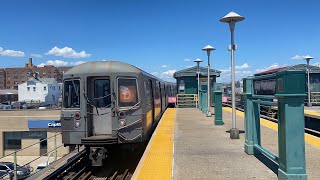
102,107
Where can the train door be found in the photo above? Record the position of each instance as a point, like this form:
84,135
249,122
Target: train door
149,102
101,106
165,95
152,101
160,97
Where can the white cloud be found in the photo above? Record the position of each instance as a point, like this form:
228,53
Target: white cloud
36,55
273,66
54,63
76,63
297,57
164,66
187,59
241,71
12,53
60,63
155,73
316,64
243,66
168,75
189,66
67,52
225,75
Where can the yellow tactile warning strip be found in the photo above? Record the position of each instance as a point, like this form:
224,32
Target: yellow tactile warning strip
156,162
306,112
310,139
311,113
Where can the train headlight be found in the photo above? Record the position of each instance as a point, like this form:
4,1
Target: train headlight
121,114
122,122
76,124
77,115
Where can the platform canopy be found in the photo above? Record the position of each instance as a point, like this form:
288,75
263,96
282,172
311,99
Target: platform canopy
192,71
303,67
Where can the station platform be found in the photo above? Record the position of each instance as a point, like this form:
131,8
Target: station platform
187,145
313,112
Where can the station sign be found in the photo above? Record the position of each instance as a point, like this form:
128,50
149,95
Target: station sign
46,124
264,87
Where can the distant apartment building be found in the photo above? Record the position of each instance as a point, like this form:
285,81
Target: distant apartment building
45,91
2,78
11,77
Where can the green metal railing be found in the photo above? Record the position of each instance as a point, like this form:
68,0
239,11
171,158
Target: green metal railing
287,89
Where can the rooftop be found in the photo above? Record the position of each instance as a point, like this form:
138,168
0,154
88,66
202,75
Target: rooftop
192,71
313,69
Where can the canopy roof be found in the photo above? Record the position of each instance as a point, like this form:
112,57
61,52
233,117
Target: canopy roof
192,71
313,69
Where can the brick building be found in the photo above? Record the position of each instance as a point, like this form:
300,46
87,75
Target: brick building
2,78
11,77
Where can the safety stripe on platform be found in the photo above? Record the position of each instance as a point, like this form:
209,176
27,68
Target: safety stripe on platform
306,112
156,162
310,139
311,113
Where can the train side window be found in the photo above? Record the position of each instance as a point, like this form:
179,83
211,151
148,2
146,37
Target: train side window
147,89
127,92
71,94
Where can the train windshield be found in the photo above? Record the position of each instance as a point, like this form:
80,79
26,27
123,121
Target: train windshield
127,92
102,96
71,94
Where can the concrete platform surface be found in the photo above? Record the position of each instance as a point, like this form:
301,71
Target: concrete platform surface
205,151
187,145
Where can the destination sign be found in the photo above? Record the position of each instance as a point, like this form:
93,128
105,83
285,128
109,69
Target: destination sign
265,87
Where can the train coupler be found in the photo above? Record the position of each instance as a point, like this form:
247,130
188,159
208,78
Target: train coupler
97,155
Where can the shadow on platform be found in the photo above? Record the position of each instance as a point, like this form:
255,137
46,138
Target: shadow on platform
268,162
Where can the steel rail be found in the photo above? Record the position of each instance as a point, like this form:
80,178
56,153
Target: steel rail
64,168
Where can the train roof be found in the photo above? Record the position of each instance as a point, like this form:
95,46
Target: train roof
109,66
101,67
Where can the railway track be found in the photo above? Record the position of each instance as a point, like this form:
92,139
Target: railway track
308,130
119,165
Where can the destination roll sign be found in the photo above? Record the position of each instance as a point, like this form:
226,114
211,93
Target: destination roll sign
265,87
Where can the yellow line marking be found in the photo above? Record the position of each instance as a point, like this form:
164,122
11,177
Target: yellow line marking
310,139
306,112
157,163
311,113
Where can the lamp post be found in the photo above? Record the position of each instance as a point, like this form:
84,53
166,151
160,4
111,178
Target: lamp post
198,61
231,18
208,49
308,58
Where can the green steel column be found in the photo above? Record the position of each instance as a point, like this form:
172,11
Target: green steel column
256,126
291,94
199,100
204,100
218,104
248,115
218,108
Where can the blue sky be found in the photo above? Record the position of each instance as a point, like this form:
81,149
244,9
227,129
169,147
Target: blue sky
159,36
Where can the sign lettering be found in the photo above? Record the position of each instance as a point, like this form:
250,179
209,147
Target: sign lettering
265,87
55,124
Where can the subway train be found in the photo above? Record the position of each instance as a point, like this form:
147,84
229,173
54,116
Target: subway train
110,103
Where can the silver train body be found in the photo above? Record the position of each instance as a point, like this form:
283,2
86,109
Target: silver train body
108,102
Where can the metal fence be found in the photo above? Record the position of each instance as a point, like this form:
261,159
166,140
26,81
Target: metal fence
15,173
